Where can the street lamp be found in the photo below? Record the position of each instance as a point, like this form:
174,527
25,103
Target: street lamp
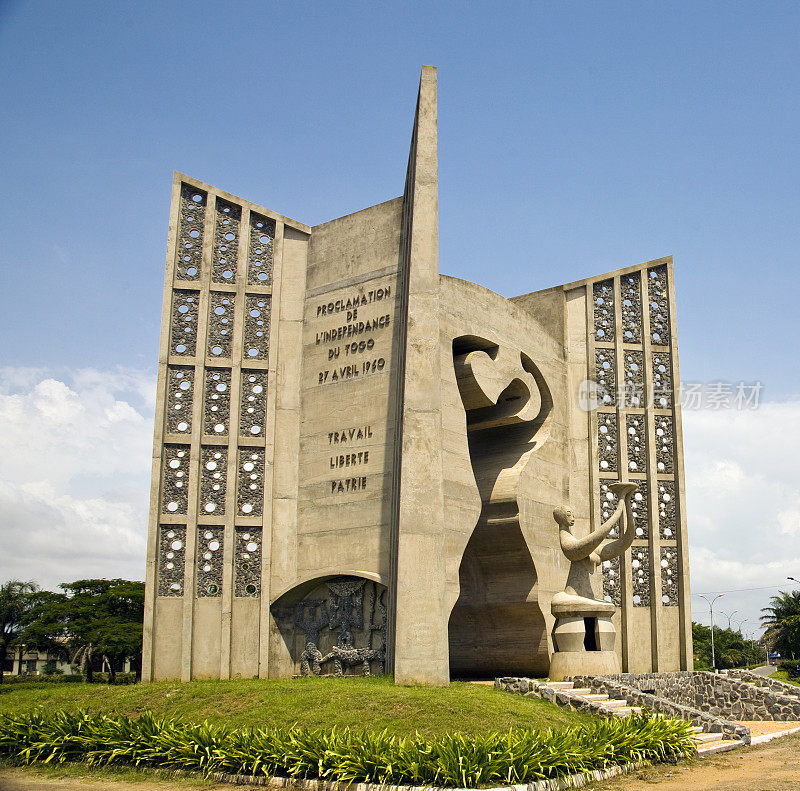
729,616
711,612
743,633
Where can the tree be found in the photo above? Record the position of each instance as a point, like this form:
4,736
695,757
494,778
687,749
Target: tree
104,617
782,620
91,618
44,624
732,649
15,601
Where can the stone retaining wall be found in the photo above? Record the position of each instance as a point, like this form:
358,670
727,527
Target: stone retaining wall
634,697
718,695
781,687
710,719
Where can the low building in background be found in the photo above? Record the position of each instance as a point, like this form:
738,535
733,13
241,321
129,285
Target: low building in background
23,662
19,663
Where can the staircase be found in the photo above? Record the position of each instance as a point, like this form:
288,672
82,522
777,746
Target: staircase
705,742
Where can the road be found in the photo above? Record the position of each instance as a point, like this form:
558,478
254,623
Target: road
764,670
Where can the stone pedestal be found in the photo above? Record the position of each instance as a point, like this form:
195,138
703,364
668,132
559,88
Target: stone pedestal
576,652
605,634
570,634
583,663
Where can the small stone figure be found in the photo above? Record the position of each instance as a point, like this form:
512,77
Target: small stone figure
344,654
311,616
346,603
311,660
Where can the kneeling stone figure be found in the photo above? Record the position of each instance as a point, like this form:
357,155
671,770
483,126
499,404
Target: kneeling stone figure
584,634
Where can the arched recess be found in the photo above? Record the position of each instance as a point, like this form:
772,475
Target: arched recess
334,625
496,626
304,584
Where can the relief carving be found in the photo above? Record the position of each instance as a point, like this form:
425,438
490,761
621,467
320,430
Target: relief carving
339,628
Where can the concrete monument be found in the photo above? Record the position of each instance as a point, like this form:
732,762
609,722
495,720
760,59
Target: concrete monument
357,460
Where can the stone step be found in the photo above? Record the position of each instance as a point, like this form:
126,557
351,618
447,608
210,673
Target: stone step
598,696
719,747
615,704
560,684
582,691
705,738
625,711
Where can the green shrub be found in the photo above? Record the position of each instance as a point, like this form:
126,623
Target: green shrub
451,759
119,678
71,678
789,666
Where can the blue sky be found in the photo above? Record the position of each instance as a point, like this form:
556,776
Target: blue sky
575,137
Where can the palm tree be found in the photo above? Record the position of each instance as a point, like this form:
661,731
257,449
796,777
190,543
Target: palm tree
15,600
783,623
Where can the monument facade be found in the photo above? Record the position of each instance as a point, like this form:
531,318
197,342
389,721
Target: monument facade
357,460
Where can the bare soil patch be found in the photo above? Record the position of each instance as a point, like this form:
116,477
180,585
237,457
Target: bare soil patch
774,766
764,727
76,778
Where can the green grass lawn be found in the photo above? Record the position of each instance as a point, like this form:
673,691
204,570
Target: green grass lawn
372,703
782,675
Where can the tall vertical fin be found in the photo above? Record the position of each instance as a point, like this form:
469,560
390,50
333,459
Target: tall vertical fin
420,648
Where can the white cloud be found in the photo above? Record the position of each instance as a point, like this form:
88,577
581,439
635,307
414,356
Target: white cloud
19,377
743,504
789,520
74,473
56,403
